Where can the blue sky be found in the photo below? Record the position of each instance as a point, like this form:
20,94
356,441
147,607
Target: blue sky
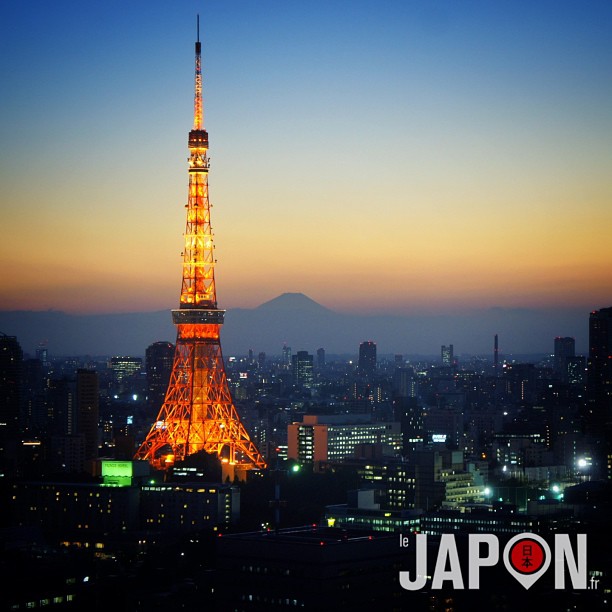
414,157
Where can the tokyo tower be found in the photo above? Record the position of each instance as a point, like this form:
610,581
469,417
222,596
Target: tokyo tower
198,413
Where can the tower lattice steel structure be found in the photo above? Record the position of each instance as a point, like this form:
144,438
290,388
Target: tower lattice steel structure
198,412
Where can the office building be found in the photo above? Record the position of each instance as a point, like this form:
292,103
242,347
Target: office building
370,516
496,355
11,363
158,363
447,356
443,424
404,383
575,370
124,367
335,437
286,356
302,363
480,519
61,407
88,410
188,506
367,358
124,505
599,368
565,349
599,391
310,568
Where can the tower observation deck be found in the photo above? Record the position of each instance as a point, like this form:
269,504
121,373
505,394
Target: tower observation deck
198,413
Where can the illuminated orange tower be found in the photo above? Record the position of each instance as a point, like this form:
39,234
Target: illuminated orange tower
198,412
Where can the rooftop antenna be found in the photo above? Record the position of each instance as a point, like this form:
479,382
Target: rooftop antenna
198,19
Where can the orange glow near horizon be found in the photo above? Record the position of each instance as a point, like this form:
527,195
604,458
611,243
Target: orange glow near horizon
455,179
402,265
396,266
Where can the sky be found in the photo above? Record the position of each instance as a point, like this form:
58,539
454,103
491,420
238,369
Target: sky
402,157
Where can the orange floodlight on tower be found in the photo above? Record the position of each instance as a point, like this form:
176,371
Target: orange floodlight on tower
198,413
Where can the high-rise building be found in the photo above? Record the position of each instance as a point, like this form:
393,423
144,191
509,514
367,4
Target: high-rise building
11,363
367,358
286,356
302,363
447,355
404,383
34,414
158,362
496,355
88,410
443,424
198,413
11,360
62,407
521,381
408,413
599,390
565,348
42,353
320,358
575,370
599,368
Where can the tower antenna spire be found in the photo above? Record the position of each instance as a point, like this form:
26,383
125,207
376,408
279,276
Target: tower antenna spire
198,106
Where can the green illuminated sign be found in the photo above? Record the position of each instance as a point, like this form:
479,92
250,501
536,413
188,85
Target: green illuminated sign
117,473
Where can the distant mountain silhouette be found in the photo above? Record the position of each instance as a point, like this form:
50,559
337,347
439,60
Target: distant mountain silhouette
291,301
291,318
300,322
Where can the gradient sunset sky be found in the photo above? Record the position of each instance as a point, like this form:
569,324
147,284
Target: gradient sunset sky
394,156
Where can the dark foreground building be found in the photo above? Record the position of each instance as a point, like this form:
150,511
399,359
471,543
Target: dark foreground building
599,390
308,568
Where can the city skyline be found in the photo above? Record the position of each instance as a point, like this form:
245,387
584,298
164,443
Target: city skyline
297,321
404,159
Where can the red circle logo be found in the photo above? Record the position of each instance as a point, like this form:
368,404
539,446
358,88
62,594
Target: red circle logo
527,556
